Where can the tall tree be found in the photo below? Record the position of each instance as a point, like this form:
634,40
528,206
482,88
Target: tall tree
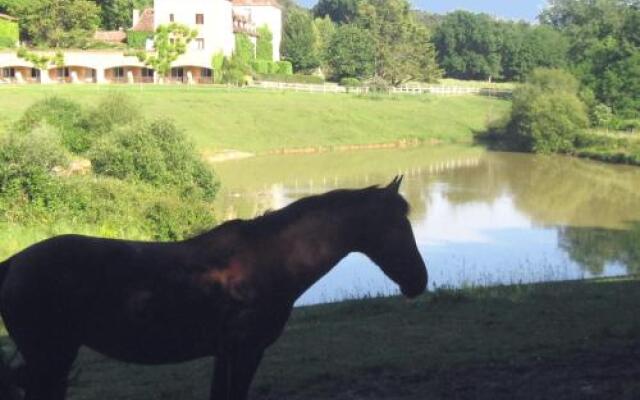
326,30
524,47
299,42
58,23
468,46
604,39
340,11
351,53
403,49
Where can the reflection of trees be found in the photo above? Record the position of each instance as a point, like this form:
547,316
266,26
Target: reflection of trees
594,248
564,191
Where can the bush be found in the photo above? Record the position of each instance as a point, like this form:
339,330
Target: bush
284,68
169,219
147,178
138,40
296,78
350,82
234,71
157,153
547,115
65,116
26,181
112,111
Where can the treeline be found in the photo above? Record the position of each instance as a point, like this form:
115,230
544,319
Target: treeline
360,40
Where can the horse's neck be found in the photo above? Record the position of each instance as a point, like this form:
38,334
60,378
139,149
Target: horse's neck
312,246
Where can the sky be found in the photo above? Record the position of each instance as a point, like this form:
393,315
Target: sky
511,9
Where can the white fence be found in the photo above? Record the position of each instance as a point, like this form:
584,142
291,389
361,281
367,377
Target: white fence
408,90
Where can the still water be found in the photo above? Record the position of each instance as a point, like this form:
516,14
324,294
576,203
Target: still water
480,218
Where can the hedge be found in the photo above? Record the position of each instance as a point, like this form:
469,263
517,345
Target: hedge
297,78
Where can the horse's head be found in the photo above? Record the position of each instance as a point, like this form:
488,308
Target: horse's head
387,239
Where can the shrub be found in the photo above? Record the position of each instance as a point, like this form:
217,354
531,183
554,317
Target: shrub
138,40
261,66
234,71
547,114
284,68
65,116
169,219
350,82
114,110
296,78
26,181
157,153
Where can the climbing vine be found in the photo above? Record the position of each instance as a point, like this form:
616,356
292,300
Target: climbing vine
170,42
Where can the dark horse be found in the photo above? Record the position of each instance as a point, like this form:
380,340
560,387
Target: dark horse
226,293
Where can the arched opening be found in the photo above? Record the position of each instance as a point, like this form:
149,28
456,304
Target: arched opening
19,74
129,74
191,74
73,74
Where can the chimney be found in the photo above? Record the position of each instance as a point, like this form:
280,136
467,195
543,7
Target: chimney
136,17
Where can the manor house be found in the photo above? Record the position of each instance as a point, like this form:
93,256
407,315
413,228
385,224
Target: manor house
216,21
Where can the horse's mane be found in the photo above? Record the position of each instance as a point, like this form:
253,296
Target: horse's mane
331,202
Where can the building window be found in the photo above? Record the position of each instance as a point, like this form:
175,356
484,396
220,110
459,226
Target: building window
199,19
205,73
35,73
147,73
200,44
8,72
62,72
177,72
171,18
118,72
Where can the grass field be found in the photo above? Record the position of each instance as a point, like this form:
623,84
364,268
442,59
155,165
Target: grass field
259,121
570,340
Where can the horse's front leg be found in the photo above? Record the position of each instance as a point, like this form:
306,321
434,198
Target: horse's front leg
234,372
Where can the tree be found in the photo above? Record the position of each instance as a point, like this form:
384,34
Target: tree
340,11
170,42
468,46
299,42
325,29
547,113
525,47
58,23
604,43
264,44
403,50
351,53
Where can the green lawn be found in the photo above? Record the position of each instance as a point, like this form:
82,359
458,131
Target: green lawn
258,121
570,340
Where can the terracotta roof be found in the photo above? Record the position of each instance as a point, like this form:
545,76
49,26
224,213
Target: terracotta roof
272,3
7,17
145,24
110,36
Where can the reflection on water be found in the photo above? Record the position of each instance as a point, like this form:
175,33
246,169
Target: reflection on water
479,217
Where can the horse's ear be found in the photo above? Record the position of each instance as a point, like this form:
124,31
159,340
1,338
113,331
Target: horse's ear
395,184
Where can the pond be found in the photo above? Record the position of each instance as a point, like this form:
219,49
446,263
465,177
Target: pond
479,217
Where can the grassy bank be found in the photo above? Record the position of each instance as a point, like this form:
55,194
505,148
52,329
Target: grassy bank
613,147
549,341
257,121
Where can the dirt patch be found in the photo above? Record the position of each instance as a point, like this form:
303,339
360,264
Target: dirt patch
602,374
